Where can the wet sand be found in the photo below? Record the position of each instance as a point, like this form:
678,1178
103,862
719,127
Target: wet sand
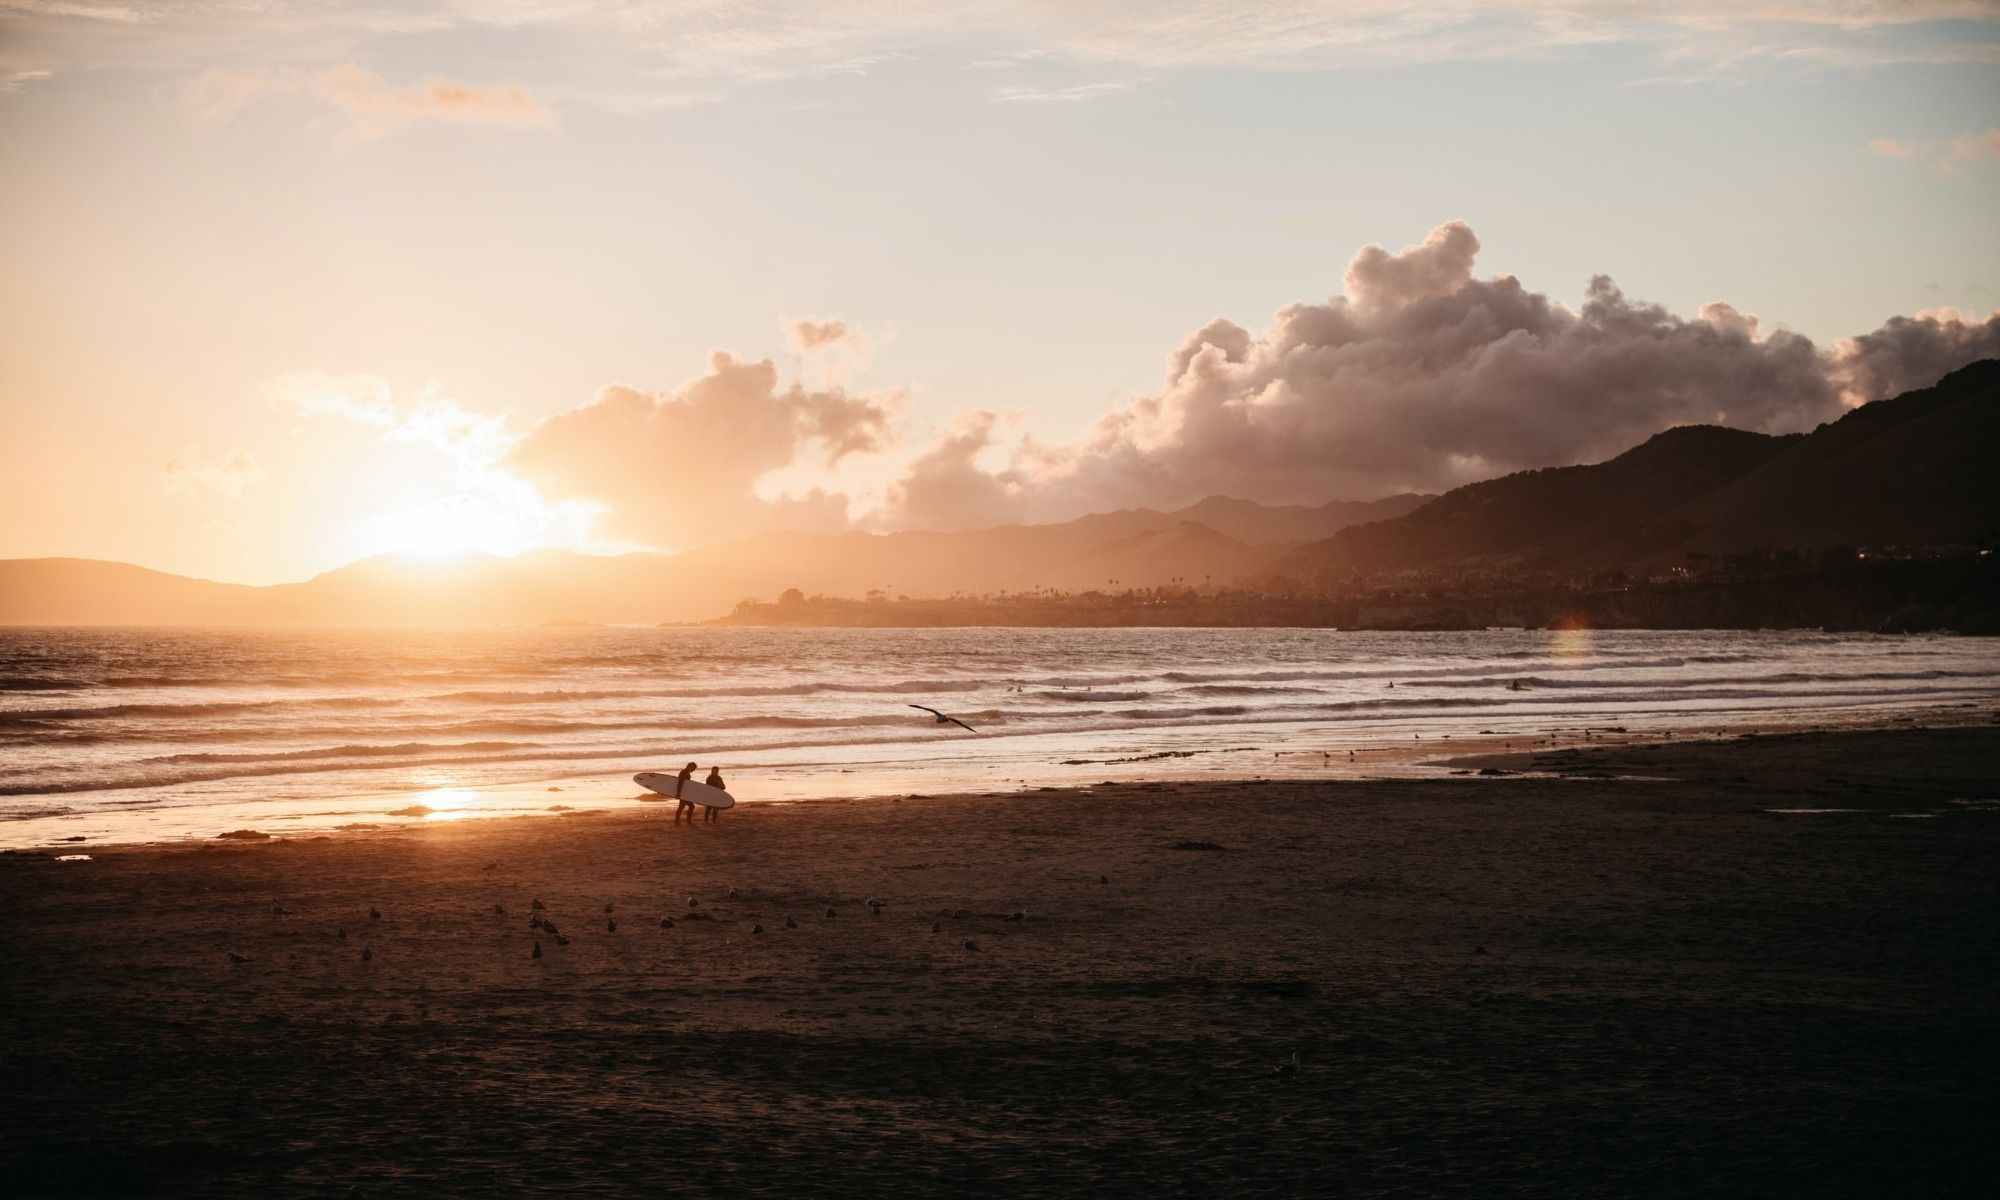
1563,983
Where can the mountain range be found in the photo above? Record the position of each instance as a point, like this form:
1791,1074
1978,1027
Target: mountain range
1130,548
1912,471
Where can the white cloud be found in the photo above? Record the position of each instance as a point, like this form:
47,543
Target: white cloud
682,48
1058,95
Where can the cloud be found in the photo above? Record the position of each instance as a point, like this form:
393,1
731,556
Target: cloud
1058,95
809,334
680,469
945,488
472,440
1948,154
378,108
1911,352
1974,146
677,48
374,107
225,476
1422,376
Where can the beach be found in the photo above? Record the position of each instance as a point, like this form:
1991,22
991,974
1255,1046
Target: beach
1757,965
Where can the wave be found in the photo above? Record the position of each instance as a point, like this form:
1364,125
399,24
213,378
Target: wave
1091,697
112,711
1688,681
403,749
1245,689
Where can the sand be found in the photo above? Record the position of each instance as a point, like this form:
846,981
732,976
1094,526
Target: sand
1565,983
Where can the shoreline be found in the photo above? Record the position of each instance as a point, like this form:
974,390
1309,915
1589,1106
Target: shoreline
1533,985
1309,756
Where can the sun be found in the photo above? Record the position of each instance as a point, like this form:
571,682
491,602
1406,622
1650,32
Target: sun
493,513
452,527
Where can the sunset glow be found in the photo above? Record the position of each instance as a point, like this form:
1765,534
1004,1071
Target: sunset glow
1198,597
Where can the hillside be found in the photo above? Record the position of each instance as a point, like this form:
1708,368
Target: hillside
1916,470
1910,471
82,591
1136,548
1616,510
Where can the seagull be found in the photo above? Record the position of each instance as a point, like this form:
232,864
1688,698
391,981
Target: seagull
374,914
666,922
367,952
791,924
611,924
538,951
944,720
756,929
238,958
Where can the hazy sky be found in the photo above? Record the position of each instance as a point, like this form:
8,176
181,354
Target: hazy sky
293,283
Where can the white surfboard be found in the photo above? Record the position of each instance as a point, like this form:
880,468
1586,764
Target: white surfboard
693,791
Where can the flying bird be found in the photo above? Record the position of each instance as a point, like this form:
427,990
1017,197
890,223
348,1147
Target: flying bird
944,720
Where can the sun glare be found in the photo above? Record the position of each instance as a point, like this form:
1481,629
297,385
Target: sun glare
501,516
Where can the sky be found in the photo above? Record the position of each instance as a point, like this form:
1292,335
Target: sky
293,284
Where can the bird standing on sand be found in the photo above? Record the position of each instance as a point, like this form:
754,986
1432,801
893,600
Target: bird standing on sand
367,953
666,922
374,914
538,951
791,924
611,924
944,720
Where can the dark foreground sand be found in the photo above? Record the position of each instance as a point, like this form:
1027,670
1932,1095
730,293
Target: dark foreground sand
1473,987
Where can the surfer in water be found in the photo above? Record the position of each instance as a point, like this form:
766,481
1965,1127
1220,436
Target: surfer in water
714,780
685,806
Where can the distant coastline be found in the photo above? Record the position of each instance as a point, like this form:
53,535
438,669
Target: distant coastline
1957,594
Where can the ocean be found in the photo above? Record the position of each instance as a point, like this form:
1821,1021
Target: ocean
141,734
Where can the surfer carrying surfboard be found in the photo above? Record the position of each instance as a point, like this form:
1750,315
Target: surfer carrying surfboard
685,806
714,780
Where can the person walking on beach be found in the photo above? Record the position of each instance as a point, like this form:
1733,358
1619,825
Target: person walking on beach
685,806
714,780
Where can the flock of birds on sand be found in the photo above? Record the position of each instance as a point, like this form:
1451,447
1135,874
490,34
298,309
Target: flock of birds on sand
544,925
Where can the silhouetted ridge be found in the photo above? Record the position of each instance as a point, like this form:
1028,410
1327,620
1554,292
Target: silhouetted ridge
1912,471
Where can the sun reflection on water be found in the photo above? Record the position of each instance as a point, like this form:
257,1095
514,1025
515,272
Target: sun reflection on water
449,803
